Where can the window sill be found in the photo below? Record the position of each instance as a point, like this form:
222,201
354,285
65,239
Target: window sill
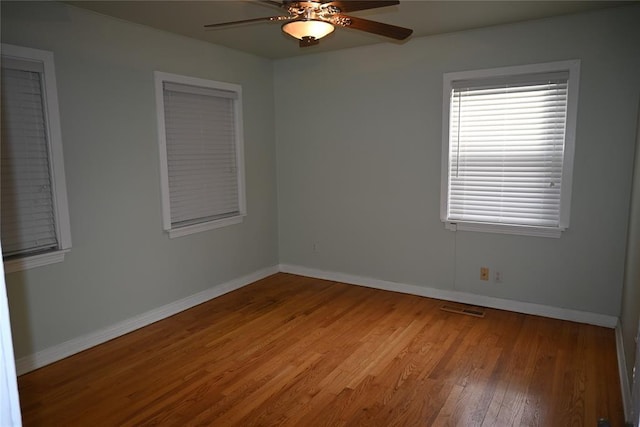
505,229
205,226
33,261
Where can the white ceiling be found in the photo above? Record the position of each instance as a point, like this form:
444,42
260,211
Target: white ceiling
266,39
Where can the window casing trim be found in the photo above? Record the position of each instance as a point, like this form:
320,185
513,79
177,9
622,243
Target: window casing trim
32,261
56,159
160,79
518,230
573,67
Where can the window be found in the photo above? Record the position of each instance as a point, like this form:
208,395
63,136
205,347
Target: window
201,153
508,141
34,211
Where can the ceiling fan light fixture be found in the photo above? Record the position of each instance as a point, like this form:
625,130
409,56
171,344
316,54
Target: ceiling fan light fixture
311,28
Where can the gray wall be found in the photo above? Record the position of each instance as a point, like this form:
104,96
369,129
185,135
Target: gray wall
359,150
631,289
122,264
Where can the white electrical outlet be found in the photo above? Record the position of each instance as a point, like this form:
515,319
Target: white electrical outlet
498,277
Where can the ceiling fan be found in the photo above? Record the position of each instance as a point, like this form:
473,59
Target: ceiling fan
309,21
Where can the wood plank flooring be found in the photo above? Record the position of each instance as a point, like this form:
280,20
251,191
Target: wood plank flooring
295,351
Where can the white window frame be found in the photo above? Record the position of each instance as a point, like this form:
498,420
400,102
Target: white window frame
56,159
160,78
573,67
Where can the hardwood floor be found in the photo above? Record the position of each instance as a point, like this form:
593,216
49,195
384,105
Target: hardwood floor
295,351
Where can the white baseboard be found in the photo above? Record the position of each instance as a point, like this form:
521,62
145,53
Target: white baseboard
461,297
53,354
625,388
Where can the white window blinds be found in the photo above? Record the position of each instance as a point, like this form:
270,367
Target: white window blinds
27,203
506,148
200,127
